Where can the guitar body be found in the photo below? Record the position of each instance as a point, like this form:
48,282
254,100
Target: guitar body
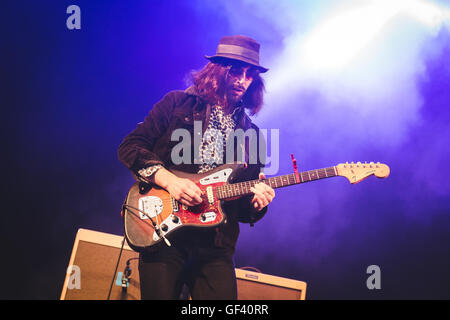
147,205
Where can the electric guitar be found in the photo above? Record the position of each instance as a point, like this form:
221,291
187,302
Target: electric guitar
152,215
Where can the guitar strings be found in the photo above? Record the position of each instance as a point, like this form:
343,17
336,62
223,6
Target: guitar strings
242,188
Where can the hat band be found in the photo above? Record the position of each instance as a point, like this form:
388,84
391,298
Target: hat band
237,50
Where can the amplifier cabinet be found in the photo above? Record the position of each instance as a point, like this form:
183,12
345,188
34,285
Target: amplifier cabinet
94,256
259,286
93,262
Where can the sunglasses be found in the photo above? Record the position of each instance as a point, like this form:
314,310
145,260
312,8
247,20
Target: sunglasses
238,71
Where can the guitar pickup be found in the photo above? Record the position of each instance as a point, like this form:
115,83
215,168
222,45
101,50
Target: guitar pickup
210,194
208,217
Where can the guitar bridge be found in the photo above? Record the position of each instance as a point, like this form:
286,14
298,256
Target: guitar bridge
175,206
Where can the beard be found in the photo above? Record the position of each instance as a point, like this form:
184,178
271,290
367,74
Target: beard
235,94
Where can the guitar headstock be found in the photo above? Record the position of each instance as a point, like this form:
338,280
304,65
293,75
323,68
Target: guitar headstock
356,172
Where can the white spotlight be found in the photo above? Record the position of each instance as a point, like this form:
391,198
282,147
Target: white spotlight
341,37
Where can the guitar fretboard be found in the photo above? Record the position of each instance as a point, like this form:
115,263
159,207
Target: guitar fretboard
243,188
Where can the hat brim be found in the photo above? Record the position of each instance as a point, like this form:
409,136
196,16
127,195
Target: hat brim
236,57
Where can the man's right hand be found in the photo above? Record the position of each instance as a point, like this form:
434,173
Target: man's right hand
183,190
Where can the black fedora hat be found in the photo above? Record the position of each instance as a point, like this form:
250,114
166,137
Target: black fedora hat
241,48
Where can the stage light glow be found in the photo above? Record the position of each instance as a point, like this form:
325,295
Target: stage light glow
356,47
335,42
339,39
427,13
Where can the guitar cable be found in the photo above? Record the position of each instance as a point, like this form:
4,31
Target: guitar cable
126,275
115,271
157,230
155,225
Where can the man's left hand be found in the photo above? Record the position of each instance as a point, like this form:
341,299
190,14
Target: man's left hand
264,194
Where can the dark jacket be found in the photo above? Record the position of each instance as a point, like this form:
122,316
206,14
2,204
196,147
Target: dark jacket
150,143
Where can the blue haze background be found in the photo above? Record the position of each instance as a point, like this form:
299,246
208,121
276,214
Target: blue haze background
70,96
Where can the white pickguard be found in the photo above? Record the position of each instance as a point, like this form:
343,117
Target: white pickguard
219,176
151,205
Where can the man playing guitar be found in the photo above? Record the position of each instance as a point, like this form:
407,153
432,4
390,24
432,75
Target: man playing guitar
222,92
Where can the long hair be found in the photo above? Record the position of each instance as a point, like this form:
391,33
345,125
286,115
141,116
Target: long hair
210,84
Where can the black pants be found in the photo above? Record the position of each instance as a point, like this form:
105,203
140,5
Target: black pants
208,272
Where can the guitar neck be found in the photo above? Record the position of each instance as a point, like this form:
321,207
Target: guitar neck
243,188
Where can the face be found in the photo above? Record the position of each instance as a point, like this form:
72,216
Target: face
240,77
